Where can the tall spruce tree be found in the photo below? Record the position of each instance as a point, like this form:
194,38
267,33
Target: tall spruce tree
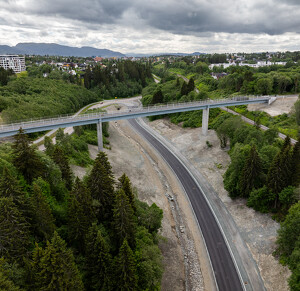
98,264
124,224
25,158
190,85
126,271
62,161
80,213
125,184
14,233
184,89
5,282
279,174
56,267
101,185
252,173
158,97
295,164
43,221
10,188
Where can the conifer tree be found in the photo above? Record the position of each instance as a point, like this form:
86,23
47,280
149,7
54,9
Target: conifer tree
126,277
125,184
190,85
10,188
80,213
101,185
184,89
252,173
49,145
14,234
98,265
25,158
123,219
295,164
279,174
56,267
5,282
158,97
62,161
43,219
287,143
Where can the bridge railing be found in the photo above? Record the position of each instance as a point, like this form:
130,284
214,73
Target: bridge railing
98,115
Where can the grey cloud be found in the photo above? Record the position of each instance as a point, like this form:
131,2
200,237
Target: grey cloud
191,17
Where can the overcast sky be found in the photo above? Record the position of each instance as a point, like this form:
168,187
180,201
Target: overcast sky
153,26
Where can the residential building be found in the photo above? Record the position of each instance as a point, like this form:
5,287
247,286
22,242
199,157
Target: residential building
14,62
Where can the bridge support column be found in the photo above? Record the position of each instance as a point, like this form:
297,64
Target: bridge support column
99,136
205,115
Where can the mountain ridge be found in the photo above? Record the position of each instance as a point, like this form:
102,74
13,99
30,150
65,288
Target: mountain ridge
54,49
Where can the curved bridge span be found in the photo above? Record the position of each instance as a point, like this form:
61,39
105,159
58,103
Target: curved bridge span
134,112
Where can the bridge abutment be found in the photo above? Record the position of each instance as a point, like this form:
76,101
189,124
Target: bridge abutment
99,136
205,116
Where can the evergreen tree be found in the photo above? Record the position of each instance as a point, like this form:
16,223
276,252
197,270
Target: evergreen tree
184,89
43,219
125,184
124,219
287,143
14,234
98,264
56,267
5,282
252,173
25,158
80,213
158,97
49,145
88,78
101,186
10,188
295,164
279,174
190,86
275,179
62,161
126,277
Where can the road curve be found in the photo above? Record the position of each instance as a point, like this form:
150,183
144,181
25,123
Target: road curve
223,266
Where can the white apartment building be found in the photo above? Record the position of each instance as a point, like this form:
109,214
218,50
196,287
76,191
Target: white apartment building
13,62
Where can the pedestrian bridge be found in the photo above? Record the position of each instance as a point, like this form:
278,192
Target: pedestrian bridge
132,112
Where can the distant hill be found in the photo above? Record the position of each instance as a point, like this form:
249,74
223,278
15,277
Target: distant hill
6,50
53,49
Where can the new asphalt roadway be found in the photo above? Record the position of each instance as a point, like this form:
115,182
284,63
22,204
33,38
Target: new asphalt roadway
223,266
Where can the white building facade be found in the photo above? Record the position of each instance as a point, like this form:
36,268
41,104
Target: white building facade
14,62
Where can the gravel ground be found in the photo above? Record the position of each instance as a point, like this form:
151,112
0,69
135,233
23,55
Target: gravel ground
282,105
258,230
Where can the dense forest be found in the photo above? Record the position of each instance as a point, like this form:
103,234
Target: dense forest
120,79
264,170
45,91
61,233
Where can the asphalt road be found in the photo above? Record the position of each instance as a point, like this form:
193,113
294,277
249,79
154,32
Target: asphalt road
223,266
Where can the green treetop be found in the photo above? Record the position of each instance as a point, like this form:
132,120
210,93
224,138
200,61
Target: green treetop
126,277
25,158
56,267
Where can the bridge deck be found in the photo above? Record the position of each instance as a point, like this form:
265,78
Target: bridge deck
92,118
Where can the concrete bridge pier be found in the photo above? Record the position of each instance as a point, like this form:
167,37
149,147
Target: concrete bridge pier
99,136
205,115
